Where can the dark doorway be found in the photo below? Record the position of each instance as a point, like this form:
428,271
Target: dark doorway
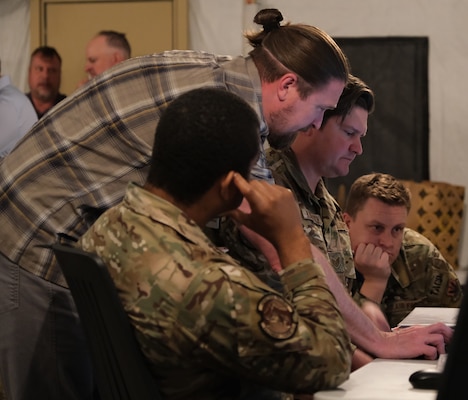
396,69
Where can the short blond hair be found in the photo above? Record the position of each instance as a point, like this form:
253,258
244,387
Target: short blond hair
383,187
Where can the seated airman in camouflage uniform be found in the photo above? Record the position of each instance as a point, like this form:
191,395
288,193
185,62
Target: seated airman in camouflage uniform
398,268
209,327
318,152
322,219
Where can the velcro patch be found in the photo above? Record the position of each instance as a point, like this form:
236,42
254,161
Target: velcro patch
277,317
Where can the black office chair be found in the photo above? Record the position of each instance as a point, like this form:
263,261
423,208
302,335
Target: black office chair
120,368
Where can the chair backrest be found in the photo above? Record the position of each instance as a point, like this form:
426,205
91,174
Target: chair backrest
120,368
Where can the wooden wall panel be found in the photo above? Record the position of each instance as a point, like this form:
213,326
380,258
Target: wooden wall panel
150,25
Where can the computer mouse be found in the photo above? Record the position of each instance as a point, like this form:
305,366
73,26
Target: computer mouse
426,379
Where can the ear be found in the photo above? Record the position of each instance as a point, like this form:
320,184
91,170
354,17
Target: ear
285,84
227,189
117,56
347,219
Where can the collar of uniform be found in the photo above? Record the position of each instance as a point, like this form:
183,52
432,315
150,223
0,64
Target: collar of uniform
290,162
400,268
321,194
157,209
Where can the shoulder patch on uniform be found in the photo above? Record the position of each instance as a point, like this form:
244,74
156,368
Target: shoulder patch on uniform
277,317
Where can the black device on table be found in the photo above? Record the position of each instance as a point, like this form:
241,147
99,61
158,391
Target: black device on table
426,379
450,381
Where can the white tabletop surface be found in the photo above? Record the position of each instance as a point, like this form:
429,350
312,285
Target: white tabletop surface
431,315
382,380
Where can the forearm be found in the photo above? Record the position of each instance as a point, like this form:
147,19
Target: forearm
291,251
373,289
413,342
361,329
360,359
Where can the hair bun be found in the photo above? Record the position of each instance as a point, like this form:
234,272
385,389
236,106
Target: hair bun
269,18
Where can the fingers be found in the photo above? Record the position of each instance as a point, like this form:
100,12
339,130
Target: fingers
442,329
252,192
435,346
438,328
261,193
431,352
241,213
427,341
439,335
274,211
372,261
264,198
371,252
241,183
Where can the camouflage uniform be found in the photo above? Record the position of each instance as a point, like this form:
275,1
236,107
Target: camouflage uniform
321,215
321,218
421,277
207,324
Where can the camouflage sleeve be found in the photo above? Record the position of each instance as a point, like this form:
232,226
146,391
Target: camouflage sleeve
295,342
443,286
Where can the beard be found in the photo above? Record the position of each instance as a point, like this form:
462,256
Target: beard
45,93
277,137
280,141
